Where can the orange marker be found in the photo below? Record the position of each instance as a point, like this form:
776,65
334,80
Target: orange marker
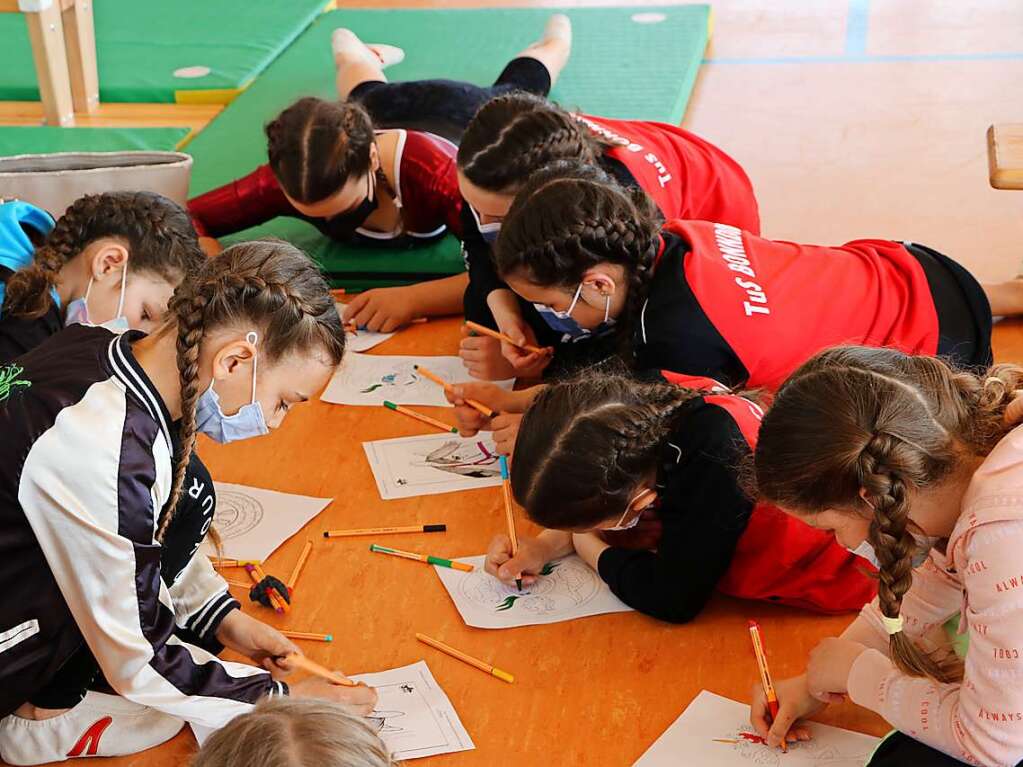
509,516
765,675
234,562
420,417
309,636
447,387
275,599
500,336
316,669
293,578
504,676
254,575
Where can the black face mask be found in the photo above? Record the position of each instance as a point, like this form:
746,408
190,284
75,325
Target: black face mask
343,225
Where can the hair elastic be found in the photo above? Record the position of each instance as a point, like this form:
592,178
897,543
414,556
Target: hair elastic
892,625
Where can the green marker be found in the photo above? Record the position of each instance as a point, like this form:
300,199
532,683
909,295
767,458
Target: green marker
425,558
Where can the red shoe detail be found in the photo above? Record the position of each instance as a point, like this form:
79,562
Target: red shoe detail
91,738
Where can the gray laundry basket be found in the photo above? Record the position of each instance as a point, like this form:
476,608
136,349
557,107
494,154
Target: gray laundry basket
54,181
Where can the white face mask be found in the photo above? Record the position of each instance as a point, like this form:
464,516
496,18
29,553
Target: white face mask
78,310
629,510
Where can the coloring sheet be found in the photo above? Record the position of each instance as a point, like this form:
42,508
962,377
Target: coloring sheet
716,731
365,379
414,715
362,340
433,463
567,589
253,522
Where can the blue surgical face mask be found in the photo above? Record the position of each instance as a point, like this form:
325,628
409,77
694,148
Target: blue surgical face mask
564,323
78,310
246,423
490,231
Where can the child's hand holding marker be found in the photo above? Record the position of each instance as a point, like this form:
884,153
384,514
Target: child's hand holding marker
509,406
795,703
490,356
381,310
533,554
526,362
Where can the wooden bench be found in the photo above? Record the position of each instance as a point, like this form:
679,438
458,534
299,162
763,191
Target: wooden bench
1005,155
64,49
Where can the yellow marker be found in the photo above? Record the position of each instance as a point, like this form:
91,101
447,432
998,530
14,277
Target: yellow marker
504,676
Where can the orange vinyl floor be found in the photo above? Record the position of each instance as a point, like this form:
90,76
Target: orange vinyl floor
854,118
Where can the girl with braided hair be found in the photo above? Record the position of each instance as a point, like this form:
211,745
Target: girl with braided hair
111,258
514,136
369,169
604,453
910,462
705,298
89,482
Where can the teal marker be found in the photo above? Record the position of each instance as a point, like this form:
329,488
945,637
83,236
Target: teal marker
425,558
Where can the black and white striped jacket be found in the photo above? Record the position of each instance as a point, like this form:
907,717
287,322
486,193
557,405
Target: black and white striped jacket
85,466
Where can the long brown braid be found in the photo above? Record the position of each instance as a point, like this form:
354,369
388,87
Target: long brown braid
157,231
570,217
585,443
514,135
265,285
315,146
891,424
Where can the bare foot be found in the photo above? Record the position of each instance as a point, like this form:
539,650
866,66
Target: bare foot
553,49
359,63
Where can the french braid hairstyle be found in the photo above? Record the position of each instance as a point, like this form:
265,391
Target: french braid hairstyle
514,135
157,232
585,443
856,417
315,146
266,285
570,217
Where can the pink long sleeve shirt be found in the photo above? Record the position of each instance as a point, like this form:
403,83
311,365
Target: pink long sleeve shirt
980,720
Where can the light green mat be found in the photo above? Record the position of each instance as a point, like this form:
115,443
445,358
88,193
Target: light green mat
140,44
46,139
619,68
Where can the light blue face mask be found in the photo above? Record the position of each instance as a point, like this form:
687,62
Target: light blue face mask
490,231
924,544
246,423
78,310
564,323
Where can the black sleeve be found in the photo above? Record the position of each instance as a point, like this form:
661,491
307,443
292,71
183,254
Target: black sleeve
483,279
703,513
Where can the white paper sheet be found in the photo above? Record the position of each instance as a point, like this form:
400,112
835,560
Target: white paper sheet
432,463
415,716
362,341
691,741
366,379
253,522
201,733
569,590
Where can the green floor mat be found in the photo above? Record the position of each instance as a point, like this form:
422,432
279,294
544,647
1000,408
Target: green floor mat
628,62
141,44
46,139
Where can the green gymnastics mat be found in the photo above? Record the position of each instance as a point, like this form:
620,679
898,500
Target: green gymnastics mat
47,139
629,62
189,51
